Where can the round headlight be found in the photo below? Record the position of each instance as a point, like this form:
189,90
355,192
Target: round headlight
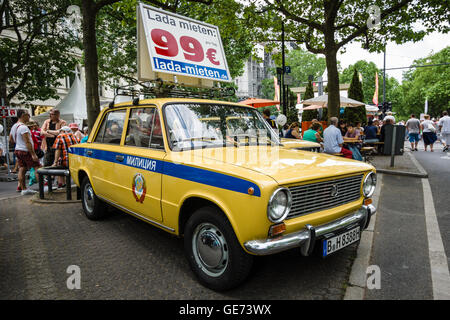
369,184
279,205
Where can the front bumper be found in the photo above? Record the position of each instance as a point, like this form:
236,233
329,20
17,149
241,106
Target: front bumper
306,237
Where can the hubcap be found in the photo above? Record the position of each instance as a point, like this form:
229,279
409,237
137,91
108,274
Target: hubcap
210,249
89,197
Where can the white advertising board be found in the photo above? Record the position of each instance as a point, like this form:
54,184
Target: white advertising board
172,45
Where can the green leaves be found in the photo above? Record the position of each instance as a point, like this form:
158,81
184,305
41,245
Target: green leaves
37,49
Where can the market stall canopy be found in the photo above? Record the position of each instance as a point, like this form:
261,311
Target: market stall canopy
259,103
72,108
313,107
323,101
370,108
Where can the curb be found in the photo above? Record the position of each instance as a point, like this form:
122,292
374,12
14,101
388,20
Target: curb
422,173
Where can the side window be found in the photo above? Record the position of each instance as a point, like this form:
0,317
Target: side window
111,128
144,129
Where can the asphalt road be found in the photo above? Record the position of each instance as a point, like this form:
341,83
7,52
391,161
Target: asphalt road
437,164
122,257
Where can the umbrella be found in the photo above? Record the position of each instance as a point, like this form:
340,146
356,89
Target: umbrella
313,107
323,101
259,103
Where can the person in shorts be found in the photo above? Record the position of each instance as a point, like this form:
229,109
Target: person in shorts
24,151
413,127
444,127
61,146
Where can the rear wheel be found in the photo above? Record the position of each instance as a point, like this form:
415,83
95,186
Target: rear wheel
213,251
93,207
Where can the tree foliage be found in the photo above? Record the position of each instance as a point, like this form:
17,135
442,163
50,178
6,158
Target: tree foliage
308,115
419,84
355,114
36,49
326,27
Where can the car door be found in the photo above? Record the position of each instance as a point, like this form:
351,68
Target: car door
102,154
140,164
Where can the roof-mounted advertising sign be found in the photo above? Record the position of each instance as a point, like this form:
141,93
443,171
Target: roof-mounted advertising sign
172,45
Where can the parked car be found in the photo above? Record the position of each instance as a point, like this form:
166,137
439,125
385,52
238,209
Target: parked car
230,193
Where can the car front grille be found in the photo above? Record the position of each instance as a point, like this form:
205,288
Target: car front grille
320,196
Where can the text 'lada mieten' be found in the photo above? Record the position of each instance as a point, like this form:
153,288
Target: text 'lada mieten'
216,174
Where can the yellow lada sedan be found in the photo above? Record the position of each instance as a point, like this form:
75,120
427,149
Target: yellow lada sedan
232,192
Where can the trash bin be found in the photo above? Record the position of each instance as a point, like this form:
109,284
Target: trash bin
399,139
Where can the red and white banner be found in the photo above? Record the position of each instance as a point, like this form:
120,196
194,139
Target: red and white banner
6,112
375,95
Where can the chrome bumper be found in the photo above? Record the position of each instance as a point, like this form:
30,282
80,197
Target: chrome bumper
306,237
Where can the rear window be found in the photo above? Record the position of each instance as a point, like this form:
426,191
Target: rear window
111,128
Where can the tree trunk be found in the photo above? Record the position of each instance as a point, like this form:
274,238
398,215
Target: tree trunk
3,86
333,84
333,74
90,61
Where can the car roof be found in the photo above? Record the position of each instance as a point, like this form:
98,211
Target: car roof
162,101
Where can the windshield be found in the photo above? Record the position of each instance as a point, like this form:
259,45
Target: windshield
215,125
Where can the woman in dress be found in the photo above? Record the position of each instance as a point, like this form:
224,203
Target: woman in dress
429,132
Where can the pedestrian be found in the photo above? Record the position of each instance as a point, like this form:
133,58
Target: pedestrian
444,127
50,130
413,127
313,134
271,122
333,141
390,117
86,135
24,151
12,145
61,146
429,133
293,131
76,131
3,152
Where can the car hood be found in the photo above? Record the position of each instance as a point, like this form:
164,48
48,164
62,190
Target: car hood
298,144
283,165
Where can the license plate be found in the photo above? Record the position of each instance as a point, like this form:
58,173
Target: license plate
341,241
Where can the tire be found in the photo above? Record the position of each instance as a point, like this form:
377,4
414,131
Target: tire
93,207
213,251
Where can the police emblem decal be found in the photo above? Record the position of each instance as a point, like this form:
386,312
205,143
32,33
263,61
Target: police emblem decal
139,188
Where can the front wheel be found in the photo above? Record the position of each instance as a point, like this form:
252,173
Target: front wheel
93,207
213,251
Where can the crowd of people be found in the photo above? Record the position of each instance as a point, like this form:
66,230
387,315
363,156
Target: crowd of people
46,146
347,139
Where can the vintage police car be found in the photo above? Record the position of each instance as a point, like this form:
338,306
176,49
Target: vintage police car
232,191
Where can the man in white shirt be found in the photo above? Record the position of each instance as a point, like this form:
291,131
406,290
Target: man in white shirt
444,127
24,150
333,142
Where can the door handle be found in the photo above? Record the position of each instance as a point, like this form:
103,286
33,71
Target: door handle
119,158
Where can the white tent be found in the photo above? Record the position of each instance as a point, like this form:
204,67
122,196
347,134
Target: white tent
72,108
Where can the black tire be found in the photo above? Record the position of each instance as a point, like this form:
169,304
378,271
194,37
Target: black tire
213,251
93,207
